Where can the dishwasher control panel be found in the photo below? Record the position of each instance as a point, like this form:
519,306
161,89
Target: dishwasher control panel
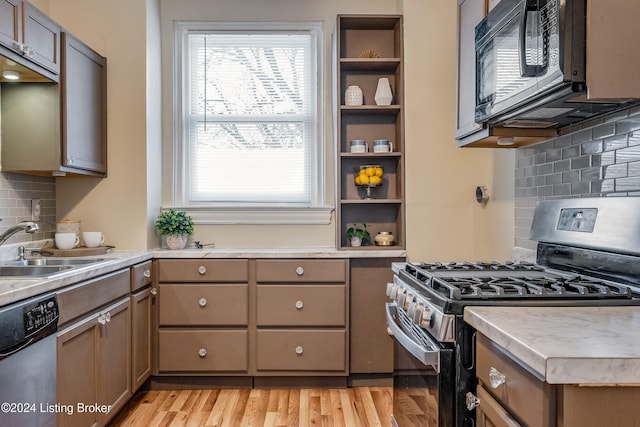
40,315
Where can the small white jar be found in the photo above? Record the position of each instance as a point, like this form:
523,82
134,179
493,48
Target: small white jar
382,146
353,96
358,146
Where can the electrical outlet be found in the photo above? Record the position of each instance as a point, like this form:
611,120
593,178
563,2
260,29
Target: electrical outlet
35,209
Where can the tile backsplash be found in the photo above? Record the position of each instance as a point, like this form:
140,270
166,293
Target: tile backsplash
599,157
16,193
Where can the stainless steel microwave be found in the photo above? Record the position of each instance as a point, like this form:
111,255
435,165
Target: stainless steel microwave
530,65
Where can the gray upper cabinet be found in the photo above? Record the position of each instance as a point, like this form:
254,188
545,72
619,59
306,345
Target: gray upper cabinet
467,131
29,38
58,129
84,107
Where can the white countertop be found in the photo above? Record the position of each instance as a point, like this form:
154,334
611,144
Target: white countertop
567,345
278,253
15,289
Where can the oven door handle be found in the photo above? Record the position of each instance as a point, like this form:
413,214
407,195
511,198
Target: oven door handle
428,355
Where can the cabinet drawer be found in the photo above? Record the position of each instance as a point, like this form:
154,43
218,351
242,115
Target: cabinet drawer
523,394
490,413
140,275
304,270
202,351
92,294
203,270
203,304
306,305
301,350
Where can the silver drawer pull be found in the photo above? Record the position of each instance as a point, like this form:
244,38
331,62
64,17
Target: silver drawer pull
472,401
202,352
202,270
299,271
299,305
102,319
299,350
153,291
147,273
496,378
202,302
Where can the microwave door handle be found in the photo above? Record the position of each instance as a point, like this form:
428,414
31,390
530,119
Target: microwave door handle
526,69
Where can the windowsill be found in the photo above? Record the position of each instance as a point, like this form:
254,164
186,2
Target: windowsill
320,215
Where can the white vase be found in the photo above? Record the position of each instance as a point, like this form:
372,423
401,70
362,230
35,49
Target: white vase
353,96
176,242
356,241
383,92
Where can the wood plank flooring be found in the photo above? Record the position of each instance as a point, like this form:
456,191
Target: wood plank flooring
349,407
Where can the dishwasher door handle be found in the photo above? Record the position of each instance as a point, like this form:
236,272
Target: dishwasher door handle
427,353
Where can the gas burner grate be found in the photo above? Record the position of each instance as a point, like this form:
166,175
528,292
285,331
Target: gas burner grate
491,287
478,265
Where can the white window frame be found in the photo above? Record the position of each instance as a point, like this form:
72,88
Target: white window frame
317,212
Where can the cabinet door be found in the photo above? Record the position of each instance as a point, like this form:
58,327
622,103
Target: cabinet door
41,37
77,377
141,337
470,13
10,23
491,414
114,357
371,346
84,107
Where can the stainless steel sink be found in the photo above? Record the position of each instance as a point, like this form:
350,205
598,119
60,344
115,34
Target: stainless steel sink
54,261
43,267
31,270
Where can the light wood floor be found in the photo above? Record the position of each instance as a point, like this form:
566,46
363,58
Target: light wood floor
349,407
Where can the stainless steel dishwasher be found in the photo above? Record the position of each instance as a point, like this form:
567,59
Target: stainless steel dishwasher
28,362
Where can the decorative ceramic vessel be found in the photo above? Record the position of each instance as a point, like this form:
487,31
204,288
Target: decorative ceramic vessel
356,241
383,92
176,242
384,238
353,96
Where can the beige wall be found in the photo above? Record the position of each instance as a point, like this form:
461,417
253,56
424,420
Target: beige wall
443,220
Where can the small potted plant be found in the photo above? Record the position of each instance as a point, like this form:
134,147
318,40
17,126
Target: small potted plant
175,227
358,234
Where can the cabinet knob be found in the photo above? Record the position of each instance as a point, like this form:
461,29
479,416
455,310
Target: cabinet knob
299,271
102,319
202,270
147,273
154,291
299,350
299,305
496,378
26,50
202,302
202,352
472,401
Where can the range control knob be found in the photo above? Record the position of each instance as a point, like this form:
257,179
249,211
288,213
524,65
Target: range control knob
408,300
422,317
390,289
401,298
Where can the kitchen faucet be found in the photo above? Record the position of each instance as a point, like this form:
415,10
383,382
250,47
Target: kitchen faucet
28,227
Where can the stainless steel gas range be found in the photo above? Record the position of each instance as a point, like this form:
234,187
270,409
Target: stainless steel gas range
588,254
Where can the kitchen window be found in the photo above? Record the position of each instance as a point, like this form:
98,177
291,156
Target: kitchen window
249,142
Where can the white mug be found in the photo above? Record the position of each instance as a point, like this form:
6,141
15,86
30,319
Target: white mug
66,240
92,239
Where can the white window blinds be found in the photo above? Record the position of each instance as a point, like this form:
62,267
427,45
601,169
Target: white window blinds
250,117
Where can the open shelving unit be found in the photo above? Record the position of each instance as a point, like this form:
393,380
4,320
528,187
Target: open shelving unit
370,47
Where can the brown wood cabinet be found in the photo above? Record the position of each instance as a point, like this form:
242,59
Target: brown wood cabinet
370,48
203,317
371,347
510,394
94,365
94,348
141,311
302,317
30,38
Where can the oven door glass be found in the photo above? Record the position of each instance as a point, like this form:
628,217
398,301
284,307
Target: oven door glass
509,57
